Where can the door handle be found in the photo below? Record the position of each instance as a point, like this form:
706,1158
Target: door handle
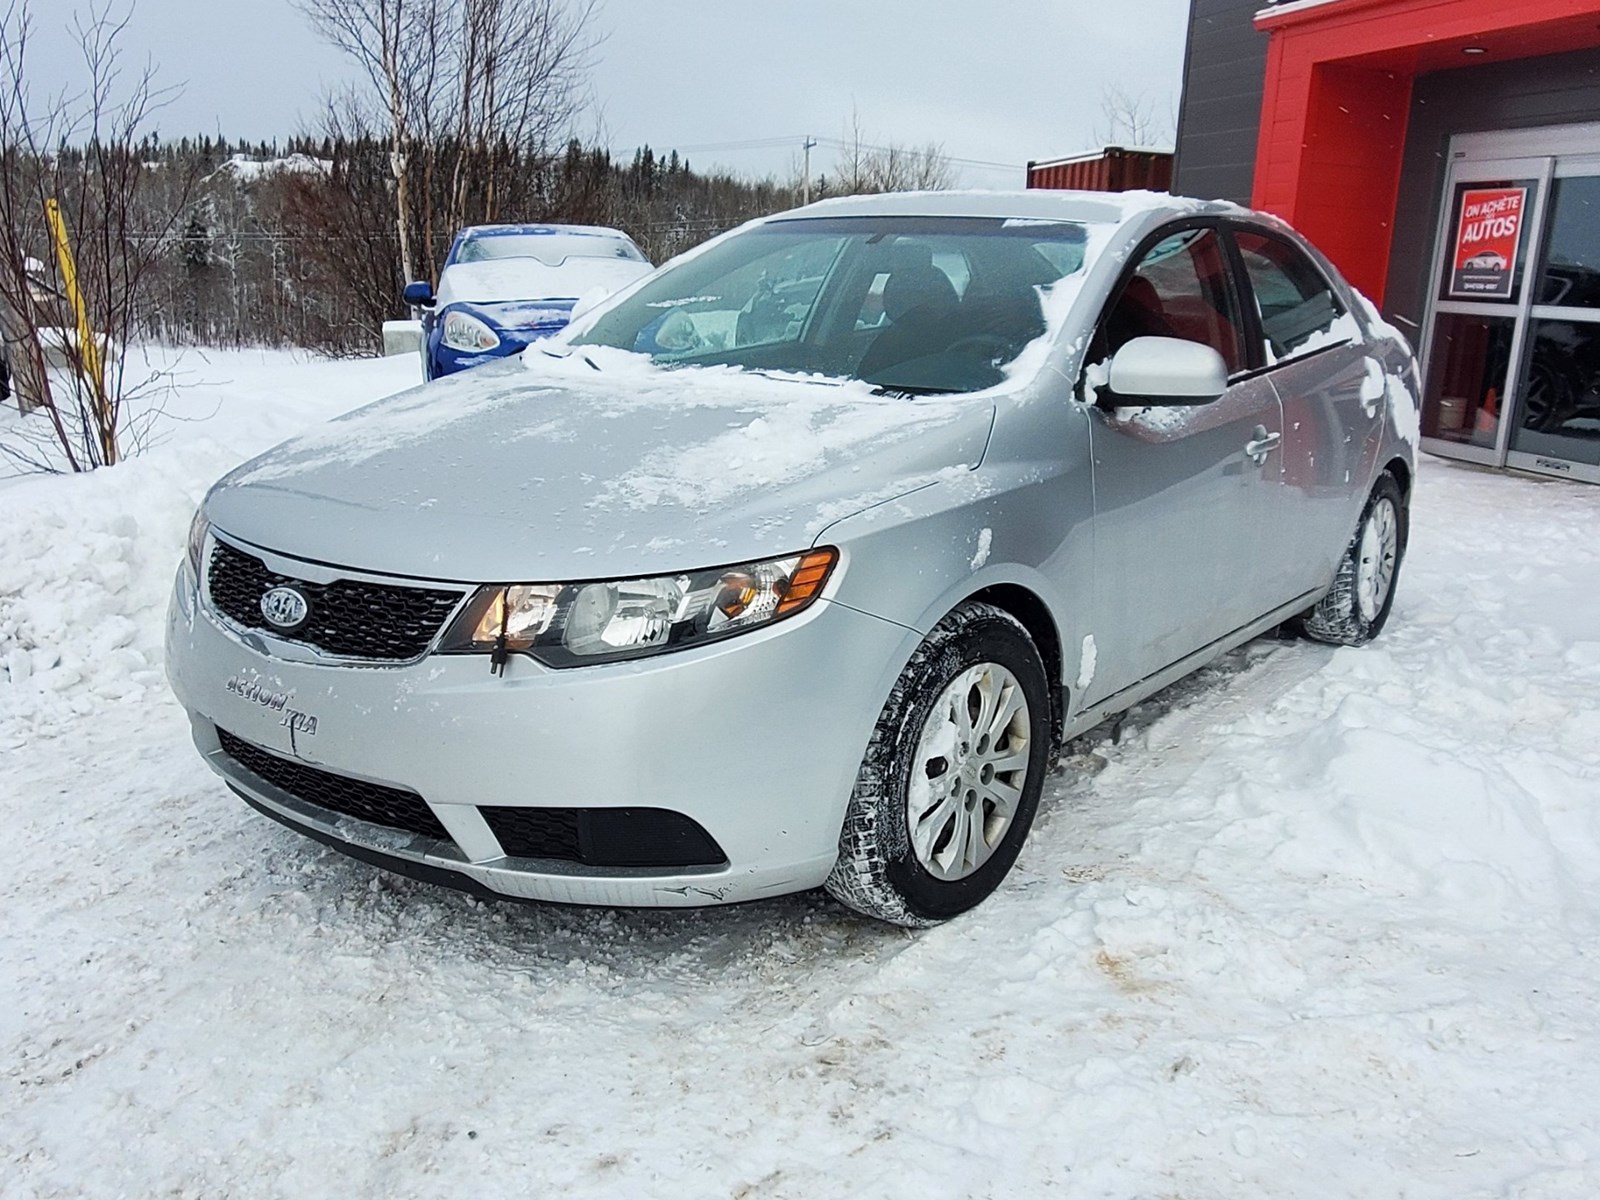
1261,445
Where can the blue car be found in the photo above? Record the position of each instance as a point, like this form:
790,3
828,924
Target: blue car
504,286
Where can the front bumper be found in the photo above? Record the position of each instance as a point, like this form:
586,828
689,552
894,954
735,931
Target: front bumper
757,739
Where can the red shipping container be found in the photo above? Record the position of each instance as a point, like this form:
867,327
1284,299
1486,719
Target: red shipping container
1113,169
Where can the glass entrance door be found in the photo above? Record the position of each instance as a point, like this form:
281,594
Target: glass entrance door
1512,340
1558,420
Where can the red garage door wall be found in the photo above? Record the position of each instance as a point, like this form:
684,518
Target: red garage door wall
1338,94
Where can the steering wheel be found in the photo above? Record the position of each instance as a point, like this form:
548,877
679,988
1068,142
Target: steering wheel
976,343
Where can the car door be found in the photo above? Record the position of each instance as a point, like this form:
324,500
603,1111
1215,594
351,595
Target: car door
1331,386
1183,496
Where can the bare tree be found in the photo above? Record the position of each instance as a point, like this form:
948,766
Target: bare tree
394,42
1131,120
892,167
78,152
459,89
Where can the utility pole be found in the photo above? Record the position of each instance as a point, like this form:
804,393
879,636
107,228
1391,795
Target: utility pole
805,171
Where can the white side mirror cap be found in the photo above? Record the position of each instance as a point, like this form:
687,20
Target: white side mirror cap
1165,371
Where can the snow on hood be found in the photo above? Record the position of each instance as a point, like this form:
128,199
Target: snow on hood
501,279
593,465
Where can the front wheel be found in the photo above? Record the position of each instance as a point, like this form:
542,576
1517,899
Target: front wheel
947,790
1357,605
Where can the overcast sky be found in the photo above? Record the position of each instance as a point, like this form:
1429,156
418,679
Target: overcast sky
1001,82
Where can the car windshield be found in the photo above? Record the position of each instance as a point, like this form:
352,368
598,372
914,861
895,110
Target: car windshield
913,304
552,249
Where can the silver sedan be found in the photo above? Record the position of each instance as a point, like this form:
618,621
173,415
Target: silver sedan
795,563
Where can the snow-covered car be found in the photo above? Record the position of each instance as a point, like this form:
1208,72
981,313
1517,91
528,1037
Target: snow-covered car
796,564
504,286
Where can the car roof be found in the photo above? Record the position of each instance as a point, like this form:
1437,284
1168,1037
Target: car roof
1095,208
535,230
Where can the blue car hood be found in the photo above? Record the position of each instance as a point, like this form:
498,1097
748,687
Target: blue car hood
595,466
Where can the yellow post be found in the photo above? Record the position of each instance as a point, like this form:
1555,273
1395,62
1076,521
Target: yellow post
88,348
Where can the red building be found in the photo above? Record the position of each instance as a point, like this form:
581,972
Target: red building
1446,154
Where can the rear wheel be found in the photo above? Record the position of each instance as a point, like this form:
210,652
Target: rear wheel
1357,605
951,779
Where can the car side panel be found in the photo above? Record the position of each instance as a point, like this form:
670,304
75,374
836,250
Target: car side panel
1188,527
1333,414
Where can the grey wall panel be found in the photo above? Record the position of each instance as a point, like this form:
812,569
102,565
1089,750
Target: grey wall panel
1557,90
1220,114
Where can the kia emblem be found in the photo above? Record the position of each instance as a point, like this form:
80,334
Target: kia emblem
285,608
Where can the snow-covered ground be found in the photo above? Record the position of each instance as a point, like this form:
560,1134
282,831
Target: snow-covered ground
1322,925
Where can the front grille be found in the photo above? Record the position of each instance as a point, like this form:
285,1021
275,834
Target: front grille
393,807
604,837
348,618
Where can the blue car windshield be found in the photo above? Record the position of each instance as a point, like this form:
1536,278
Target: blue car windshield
915,304
552,249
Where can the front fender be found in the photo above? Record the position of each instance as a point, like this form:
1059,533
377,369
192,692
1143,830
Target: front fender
1003,526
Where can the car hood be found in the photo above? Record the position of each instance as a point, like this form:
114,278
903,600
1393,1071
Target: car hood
590,466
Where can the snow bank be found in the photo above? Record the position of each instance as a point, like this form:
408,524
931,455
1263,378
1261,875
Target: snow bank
86,562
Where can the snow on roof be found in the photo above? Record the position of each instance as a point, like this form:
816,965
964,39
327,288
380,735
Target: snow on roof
499,230
247,169
1290,6
1096,208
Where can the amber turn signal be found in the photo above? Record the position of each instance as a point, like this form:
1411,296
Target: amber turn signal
808,579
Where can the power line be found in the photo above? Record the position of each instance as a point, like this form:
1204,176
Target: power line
778,143
840,144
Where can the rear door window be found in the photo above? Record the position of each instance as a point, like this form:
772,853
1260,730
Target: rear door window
1298,309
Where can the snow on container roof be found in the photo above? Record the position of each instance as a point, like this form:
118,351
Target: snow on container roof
1092,155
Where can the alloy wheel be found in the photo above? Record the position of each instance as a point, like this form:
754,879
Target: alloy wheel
968,776
1380,549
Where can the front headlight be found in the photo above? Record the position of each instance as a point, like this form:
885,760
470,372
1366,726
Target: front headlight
574,624
197,540
462,332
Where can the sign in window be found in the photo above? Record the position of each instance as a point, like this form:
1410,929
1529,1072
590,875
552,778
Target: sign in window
1488,236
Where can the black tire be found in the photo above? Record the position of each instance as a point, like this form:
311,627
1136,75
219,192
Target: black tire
1342,618
878,871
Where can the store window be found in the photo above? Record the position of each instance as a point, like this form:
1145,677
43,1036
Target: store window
1571,276
1561,393
1467,377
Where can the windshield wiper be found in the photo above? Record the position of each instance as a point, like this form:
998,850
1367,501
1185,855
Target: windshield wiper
911,389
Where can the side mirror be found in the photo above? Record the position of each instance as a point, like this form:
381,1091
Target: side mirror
418,294
588,302
1165,371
